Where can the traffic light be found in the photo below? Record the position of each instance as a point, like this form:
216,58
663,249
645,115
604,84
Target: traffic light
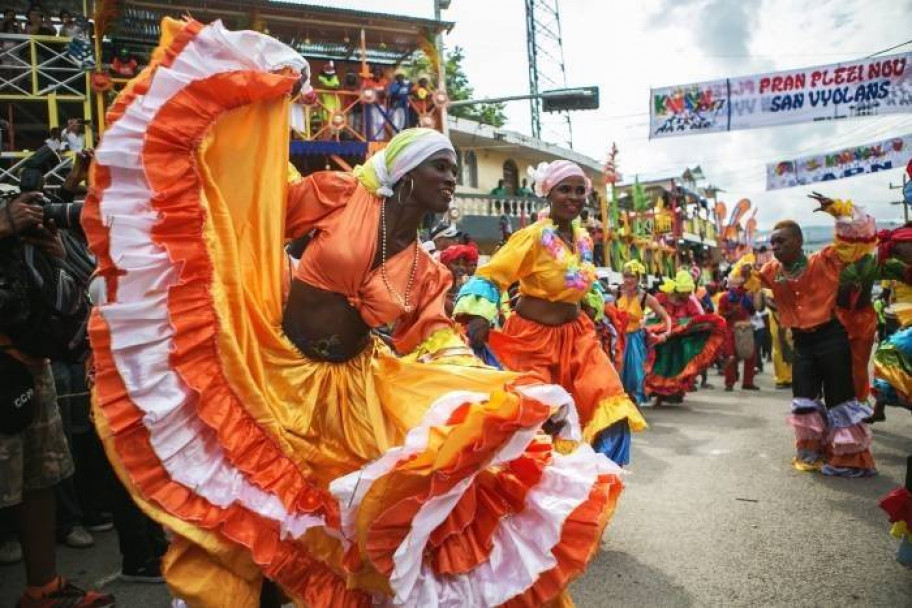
562,100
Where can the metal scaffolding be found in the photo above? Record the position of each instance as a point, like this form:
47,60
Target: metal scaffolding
546,69
38,77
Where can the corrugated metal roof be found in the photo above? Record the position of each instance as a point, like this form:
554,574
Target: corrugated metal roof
361,14
321,32
481,133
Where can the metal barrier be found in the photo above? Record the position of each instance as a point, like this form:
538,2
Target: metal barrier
52,178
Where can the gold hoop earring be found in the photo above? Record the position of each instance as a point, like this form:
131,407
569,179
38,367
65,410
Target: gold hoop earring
411,183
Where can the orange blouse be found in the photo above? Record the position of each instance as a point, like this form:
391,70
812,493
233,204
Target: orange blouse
809,299
345,218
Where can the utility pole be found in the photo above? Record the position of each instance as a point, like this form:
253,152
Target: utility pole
904,202
441,5
545,50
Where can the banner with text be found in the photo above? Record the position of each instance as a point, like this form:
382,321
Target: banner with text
891,153
868,87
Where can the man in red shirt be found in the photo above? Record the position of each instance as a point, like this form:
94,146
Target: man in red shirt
737,306
810,300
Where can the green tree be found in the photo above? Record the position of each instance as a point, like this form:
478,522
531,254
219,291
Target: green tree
458,88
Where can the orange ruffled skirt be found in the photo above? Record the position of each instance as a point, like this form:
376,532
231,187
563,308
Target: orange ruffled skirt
378,481
571,356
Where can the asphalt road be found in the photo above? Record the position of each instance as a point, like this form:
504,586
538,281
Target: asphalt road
712,515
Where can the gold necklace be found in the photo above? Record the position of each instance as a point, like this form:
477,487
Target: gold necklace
403,300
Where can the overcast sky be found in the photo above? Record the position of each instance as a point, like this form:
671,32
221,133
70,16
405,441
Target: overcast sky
627,46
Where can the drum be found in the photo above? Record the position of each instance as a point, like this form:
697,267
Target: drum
744,340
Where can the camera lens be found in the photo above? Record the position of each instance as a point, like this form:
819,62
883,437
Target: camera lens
65,215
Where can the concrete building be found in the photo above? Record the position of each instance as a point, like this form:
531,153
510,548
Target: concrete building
489,154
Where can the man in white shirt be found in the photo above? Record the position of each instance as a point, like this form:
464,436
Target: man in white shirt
74,135
760,323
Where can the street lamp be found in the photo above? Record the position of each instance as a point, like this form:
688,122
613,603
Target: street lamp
559,100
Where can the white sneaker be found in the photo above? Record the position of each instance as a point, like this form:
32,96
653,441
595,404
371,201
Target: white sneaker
79,538
10,552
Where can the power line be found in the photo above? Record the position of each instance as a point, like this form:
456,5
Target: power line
889,49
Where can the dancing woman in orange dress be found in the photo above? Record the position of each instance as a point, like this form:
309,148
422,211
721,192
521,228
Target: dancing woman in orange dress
264,423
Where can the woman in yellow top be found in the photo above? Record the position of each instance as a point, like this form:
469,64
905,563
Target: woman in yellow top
635,301
548,337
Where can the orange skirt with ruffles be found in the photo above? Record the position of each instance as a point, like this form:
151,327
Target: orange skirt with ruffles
374,481
570,356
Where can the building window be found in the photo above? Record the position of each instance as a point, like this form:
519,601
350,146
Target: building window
511,177
470,166
459,166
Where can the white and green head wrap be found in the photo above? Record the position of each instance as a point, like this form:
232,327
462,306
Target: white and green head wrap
408,149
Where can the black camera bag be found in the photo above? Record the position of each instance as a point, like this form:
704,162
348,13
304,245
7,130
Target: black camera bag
57,304
17,396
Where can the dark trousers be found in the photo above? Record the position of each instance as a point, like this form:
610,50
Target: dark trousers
140,538
823,365
78,496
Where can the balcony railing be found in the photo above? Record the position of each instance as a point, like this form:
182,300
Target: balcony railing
365,116
666,222
33,67
701,228
494,206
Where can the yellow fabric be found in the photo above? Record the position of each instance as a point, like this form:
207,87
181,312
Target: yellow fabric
634,310
895,376
902,303
752,285
805,467
596,301
525,259
636,267
293,174
231,566
852,252
901,529
477,306
367,173
716,299
840,208
902,293
445,346
562,601
859,224
684,282
611,410
782,371
344,414
192,573
668,285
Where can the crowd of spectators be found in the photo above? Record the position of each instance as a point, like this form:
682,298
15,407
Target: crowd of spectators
56,485
393,103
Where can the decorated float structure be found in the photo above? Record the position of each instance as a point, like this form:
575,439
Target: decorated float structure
670,222
42,83
354,56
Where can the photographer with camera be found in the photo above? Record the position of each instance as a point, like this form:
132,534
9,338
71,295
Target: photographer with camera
43,313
